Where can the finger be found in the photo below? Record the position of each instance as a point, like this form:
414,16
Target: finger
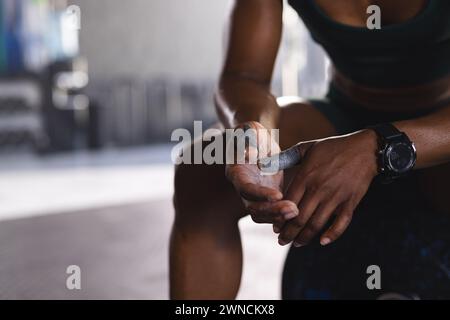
340,224
266,217
296,189
251,155
255,192
292,228
271,212
318,220
276,220
284,160
278,226
274,147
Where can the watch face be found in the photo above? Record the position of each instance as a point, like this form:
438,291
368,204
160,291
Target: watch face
401,157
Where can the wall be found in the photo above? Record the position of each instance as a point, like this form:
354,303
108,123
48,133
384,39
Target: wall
179,39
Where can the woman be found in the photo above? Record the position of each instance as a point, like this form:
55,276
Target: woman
387,115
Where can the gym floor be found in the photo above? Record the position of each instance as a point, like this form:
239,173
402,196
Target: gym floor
109,213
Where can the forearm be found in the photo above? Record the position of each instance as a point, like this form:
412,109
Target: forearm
239,99
431,136
244,88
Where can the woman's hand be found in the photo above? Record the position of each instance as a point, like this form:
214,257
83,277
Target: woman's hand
261,193
332,179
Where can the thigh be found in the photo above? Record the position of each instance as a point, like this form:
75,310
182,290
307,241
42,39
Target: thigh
391,228
434,184
300,120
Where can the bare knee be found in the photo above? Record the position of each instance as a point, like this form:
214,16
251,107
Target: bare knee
189,187
203,197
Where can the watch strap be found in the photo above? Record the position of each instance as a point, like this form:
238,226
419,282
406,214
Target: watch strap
387,131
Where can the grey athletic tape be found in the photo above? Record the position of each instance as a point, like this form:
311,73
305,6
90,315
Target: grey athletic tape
284,160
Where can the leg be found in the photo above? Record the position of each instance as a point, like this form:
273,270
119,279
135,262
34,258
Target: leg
434,183
205,248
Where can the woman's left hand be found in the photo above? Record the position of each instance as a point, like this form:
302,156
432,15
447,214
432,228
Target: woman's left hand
333,177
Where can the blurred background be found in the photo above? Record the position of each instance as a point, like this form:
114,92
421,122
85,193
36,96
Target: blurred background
90,91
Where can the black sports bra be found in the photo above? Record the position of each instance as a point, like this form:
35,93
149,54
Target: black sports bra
405,54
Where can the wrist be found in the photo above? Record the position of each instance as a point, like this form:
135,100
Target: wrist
267,117
263,121
251,124
369,142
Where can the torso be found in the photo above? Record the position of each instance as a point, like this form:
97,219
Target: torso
354,12
396,99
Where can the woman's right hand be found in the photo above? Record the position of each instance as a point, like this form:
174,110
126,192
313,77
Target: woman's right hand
261,193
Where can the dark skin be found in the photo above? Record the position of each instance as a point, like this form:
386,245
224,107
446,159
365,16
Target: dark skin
319,189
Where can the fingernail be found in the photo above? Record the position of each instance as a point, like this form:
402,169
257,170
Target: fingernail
276,229
298,245
291,215
276,197
325,241
282,242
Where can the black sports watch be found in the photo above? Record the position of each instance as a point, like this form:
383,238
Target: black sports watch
396,153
